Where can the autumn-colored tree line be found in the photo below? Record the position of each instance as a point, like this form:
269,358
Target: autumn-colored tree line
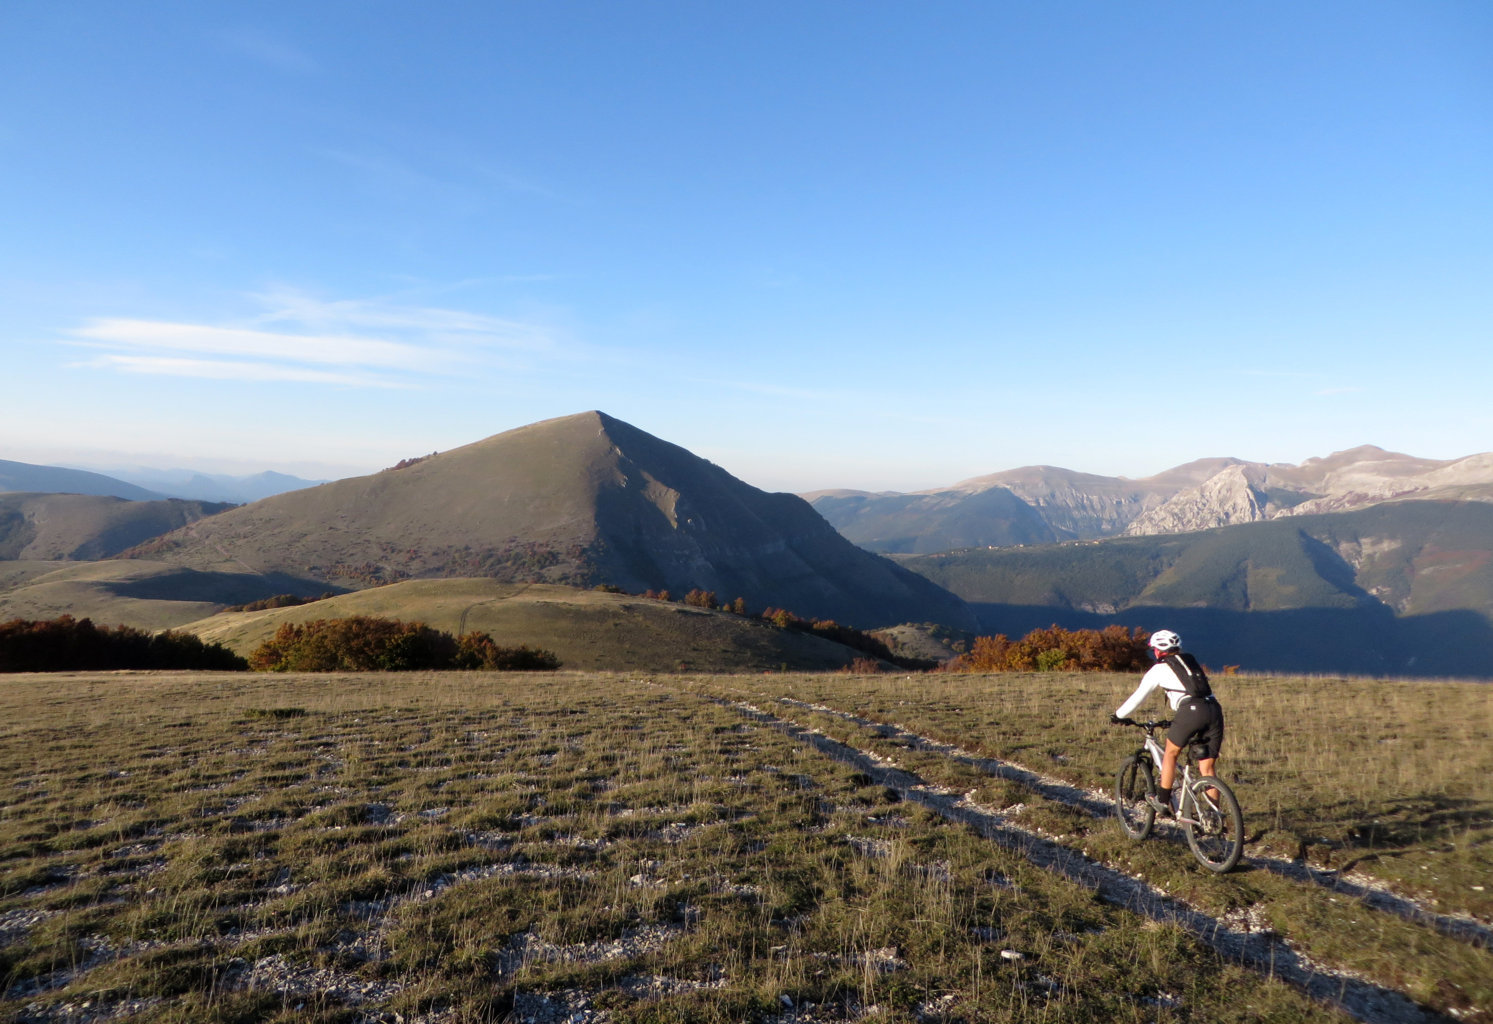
370,644
848,636
66,644
1054,649
363,643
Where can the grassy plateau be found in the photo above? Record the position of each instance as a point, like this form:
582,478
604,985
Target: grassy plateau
587,846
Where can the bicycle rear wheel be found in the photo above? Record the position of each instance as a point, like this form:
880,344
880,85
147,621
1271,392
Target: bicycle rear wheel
1214,826
1133,785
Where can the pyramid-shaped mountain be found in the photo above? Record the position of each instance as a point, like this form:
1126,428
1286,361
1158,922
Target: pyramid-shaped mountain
584,500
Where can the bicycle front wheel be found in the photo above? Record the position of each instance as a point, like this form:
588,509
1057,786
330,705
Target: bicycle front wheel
1214,824
1132,786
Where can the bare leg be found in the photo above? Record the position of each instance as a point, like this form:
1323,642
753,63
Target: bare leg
1169,764
1205,767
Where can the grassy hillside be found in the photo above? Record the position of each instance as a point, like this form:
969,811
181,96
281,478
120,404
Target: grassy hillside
480,847
85,527
581,500
1258,567
923,523
587,629
143,594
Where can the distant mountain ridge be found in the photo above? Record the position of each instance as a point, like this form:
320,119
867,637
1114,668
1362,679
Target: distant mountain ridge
193,485
1364,561
581,500
1401,587
1045,504
144,484
23,477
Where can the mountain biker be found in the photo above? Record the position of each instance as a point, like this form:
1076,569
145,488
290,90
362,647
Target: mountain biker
1197,718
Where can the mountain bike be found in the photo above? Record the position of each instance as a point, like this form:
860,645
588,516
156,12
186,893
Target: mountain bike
1207,809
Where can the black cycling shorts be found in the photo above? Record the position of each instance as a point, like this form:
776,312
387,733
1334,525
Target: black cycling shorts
1198,720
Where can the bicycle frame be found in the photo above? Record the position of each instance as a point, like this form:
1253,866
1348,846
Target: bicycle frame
1181,783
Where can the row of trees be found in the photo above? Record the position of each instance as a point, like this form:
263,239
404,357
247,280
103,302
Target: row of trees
66,644
370,644
278,601
849,636
1054,649
358,644
367,644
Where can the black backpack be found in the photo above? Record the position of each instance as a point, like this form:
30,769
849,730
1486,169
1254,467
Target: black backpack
1190,674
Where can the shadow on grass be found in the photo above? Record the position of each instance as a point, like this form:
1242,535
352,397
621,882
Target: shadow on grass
218,587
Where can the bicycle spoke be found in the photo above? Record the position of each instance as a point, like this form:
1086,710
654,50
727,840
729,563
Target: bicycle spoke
1215,827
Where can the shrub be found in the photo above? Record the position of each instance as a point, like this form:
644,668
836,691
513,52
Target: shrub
479,651
364,643
1111,649
1052,661
846,635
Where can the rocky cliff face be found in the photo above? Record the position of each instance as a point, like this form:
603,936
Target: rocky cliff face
1222,500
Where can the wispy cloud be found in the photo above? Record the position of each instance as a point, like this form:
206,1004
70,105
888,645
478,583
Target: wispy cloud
213,369
228,341
448,325
349,343
270,50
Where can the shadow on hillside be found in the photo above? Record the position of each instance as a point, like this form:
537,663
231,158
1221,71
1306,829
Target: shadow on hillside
1370,641
217,587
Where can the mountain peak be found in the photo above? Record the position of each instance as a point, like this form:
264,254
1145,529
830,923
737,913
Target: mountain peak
584,499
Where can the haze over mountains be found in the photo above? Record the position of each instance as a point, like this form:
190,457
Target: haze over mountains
142,483
25,477
1364,561
192,485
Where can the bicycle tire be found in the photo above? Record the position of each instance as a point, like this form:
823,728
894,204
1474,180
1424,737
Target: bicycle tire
1134,784
1217,840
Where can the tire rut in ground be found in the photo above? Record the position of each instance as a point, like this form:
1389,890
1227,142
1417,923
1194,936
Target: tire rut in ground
1260,951
1100,805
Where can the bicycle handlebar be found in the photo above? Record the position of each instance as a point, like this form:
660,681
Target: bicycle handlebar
1165,723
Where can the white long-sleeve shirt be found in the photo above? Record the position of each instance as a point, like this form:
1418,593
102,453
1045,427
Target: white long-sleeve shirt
1158,677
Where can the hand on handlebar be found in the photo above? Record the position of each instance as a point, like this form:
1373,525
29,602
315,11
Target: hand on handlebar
1117,720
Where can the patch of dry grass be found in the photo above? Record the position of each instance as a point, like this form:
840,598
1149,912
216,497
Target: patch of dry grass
455,846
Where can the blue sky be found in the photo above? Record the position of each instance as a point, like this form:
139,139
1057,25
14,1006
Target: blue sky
823,244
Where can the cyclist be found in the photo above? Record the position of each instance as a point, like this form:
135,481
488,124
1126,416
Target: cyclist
1197,717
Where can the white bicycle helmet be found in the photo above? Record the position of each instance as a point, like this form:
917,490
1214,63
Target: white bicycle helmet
1164,641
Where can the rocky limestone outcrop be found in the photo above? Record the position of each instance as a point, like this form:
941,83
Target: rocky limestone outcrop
1400,478
1225,499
